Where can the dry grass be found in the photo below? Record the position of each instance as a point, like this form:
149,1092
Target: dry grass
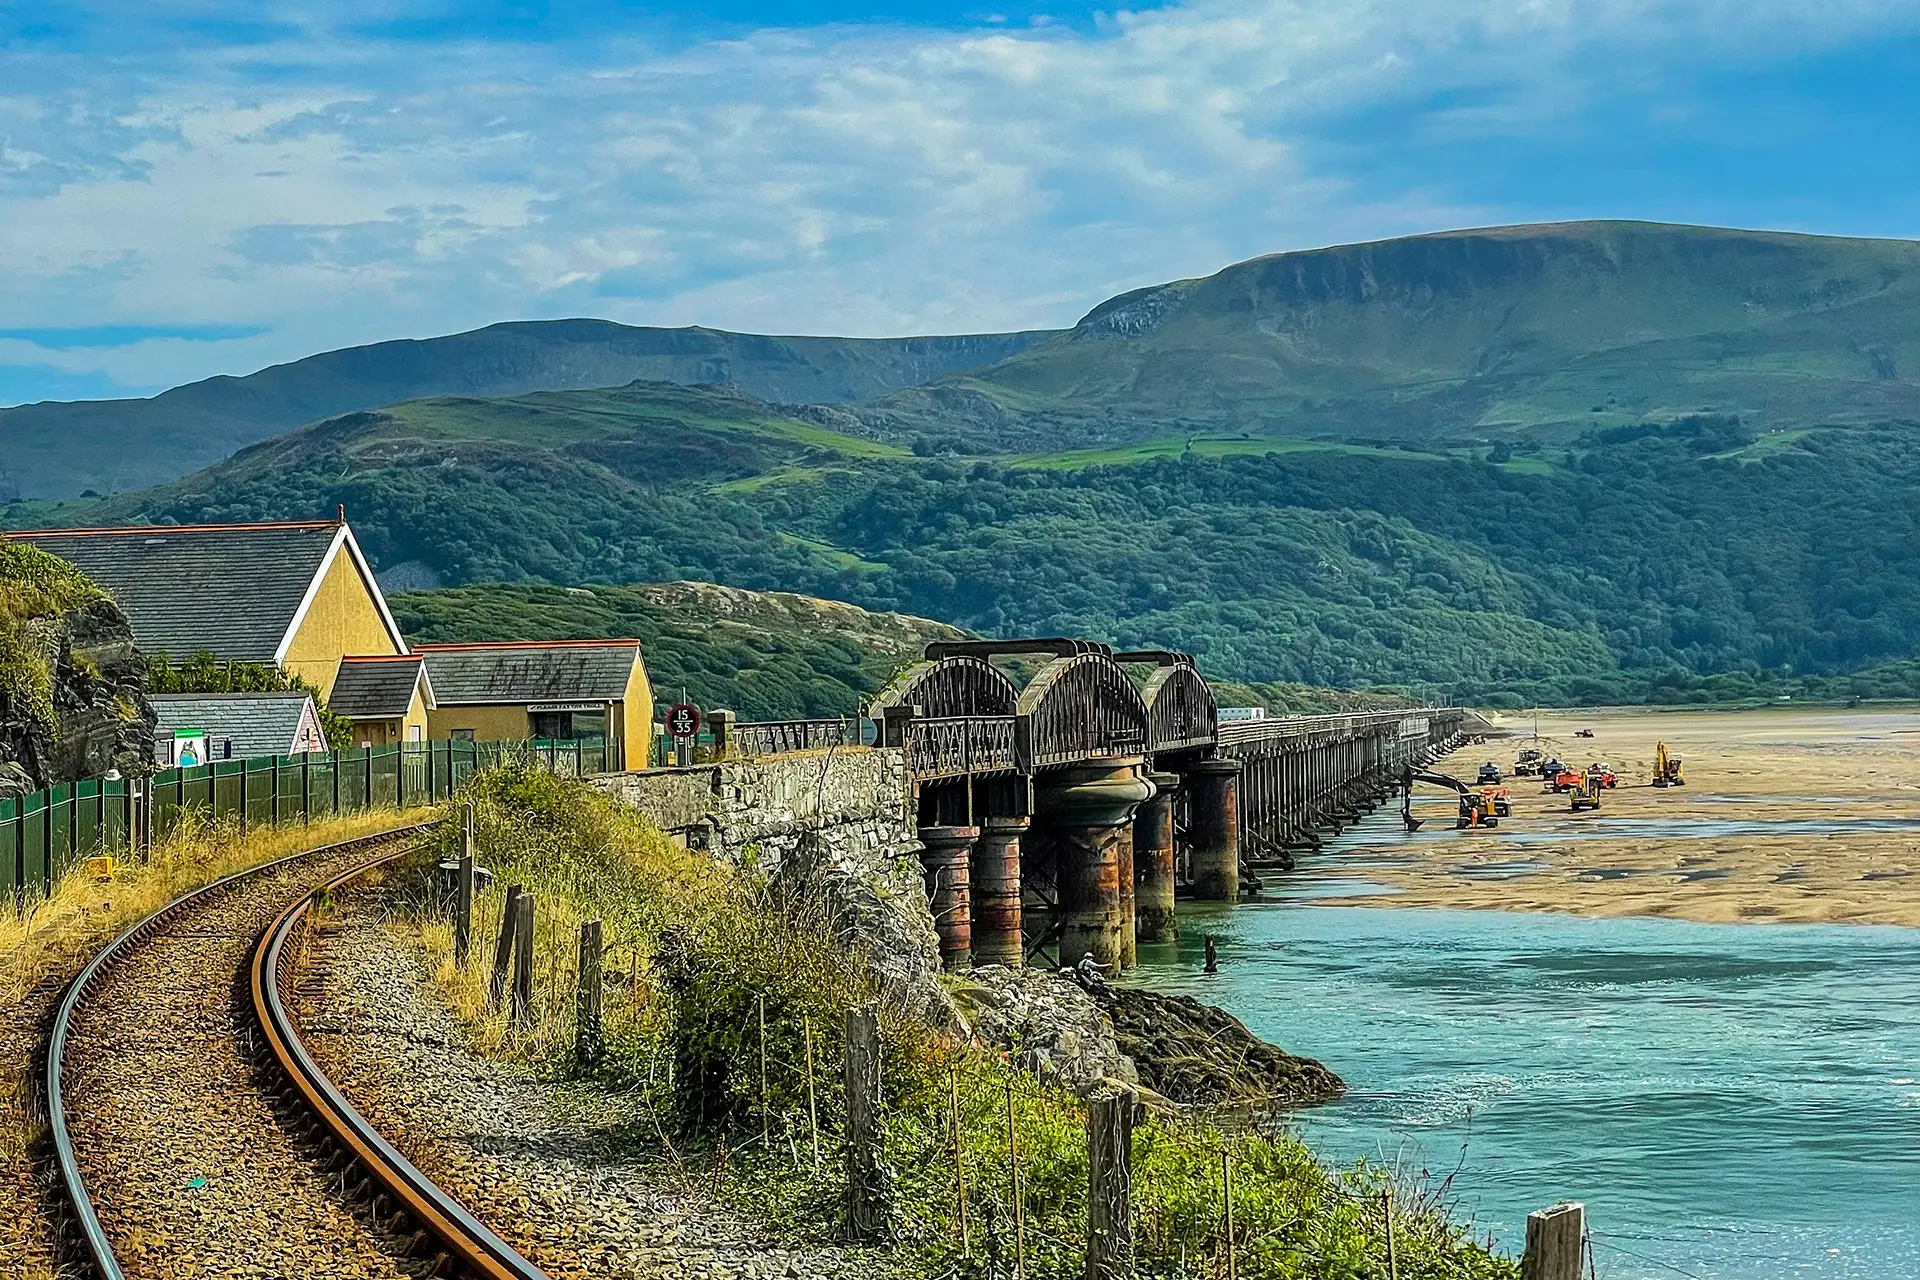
82,912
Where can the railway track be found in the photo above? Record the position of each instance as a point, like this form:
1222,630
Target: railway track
192,1133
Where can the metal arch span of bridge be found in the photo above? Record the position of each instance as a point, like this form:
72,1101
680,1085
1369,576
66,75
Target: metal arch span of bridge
1062,813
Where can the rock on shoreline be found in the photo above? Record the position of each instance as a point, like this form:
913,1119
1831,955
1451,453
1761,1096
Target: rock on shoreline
1187,1052
1197,1054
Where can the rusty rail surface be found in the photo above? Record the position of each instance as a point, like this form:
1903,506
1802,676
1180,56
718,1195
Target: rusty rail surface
66,1160
466,1246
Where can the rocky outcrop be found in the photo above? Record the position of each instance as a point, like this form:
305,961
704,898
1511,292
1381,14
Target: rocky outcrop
100,716
1051,1026
1194,1053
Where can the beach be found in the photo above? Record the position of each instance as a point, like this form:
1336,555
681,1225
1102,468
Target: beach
1788,815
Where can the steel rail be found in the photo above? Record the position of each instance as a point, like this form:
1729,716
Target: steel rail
467,1242
66,1160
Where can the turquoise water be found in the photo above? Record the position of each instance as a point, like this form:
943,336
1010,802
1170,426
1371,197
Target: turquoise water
1738,1102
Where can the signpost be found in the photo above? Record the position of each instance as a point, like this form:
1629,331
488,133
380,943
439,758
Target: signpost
683,725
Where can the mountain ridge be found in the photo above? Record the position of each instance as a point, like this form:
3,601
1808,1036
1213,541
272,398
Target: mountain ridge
154,440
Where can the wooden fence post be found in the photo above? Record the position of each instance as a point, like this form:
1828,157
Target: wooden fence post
503,951
463,893
589,1039
868,1192
1554,1240
1110,1186
523,959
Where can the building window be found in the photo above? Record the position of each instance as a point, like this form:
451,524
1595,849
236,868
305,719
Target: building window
415,732
569,726
463,735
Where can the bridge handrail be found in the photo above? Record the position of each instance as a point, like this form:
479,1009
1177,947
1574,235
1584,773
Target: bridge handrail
752,739
1235,732
960,746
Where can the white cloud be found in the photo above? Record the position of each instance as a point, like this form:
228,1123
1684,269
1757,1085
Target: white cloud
850,180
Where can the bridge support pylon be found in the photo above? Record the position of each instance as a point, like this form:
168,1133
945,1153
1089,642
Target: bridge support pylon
1153,912
996,892
946,862
1088,808
1214,833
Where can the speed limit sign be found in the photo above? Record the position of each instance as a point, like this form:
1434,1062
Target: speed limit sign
683,720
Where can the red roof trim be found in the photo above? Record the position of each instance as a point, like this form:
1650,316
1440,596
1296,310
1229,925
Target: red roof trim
150,529
525,644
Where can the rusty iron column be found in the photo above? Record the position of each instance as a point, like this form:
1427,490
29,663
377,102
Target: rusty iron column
1215,833
945,862
1129,929
1153,914
1087,807
996,892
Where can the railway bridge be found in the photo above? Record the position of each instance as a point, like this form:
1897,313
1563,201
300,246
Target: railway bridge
1067,792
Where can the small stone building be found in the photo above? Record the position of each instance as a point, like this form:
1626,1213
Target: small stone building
387,697
234,726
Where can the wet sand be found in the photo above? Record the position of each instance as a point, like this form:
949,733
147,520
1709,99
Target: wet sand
1803,816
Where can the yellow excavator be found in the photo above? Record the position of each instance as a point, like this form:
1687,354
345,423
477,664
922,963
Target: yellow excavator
1477,808
1666,768
1585,794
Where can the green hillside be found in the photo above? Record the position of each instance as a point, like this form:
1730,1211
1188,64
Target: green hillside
1672,559
1485,333
58,450
763,655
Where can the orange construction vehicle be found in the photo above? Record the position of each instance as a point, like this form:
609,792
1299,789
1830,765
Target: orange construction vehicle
1608,778
1565,778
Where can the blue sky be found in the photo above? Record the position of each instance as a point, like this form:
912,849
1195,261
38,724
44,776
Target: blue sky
201,188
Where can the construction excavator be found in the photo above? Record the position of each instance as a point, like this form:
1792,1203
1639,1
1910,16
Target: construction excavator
1585,794
1476,807
1666,768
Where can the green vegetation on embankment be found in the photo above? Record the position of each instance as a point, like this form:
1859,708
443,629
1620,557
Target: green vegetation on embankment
34,586
699,950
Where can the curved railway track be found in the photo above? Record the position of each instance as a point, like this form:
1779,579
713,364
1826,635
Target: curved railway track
184,1150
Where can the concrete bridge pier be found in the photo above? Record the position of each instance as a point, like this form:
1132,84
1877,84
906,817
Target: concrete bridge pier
946,863
1088,808
1214,832
997,938
1153,864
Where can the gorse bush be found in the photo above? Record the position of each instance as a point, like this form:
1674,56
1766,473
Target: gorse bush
726,998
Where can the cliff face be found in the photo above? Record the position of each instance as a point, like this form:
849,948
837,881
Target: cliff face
72,685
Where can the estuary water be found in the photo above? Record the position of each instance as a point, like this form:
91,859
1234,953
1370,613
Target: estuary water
1738,1102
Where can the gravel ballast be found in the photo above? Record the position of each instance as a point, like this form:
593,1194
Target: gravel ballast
546,1165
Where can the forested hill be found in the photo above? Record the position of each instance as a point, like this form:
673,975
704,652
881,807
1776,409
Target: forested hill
1693,557
60,450
1483,334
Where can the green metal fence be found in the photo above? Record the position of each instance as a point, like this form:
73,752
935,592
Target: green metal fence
46,832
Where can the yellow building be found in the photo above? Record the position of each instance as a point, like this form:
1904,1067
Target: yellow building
388,698
297,595
556,690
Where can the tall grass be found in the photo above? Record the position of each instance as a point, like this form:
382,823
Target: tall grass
701,956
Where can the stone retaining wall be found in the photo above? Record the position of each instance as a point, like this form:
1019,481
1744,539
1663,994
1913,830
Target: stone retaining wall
837,823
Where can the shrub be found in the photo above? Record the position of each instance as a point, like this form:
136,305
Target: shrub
703,955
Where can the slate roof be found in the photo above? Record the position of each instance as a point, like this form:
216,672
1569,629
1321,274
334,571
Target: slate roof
376,688
530,671
233,590
260,724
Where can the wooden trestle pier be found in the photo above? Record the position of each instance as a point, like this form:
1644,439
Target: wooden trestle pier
1060,817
